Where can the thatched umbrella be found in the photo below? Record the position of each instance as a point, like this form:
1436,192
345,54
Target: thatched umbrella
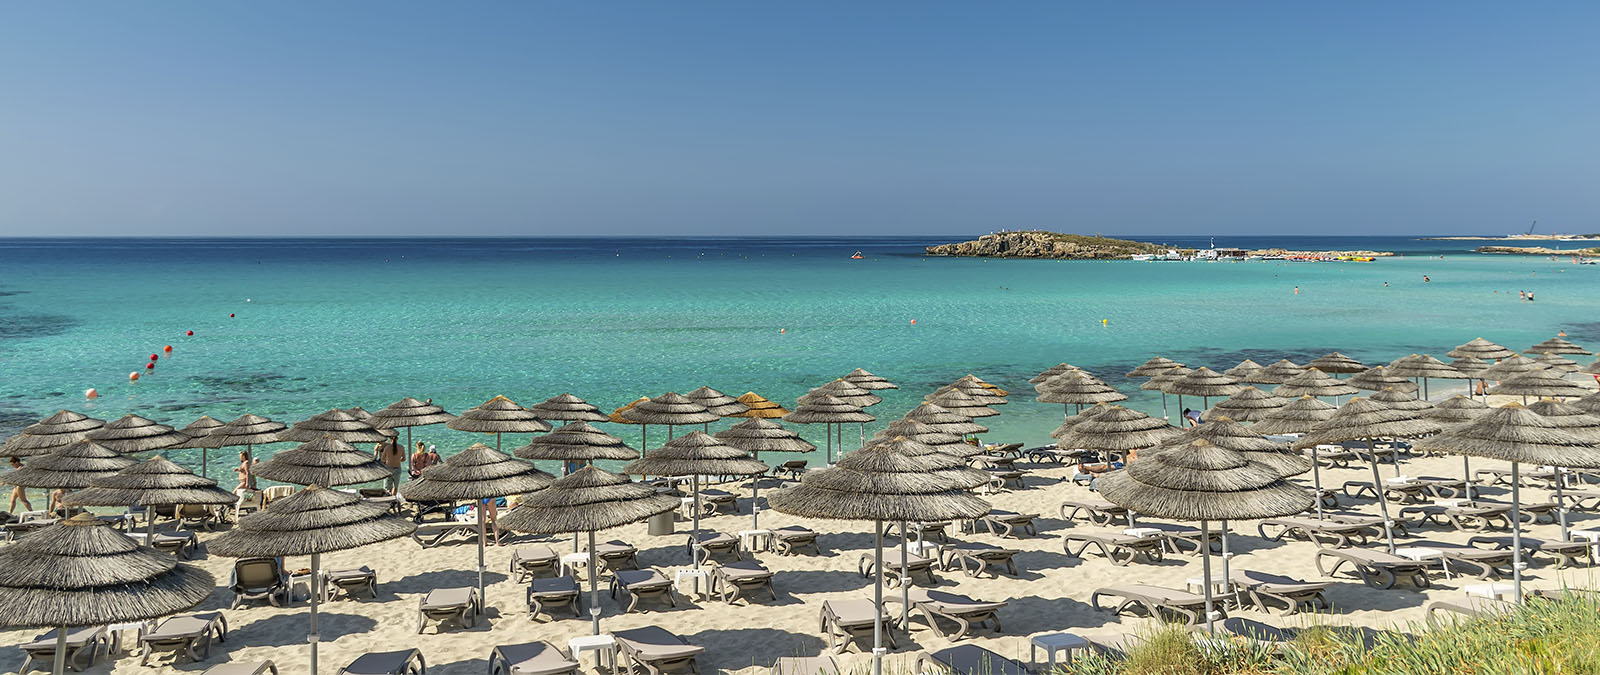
960,403
1203,382
1248,405
671,409
1362,420
1575,421
1424,366
696,454
1246,371
336,423
948,421
1516,434
1203,482
1155,366
1558,363
828,411
576,442
1379,378
56,431
977,392
326,461
80,572
991,389
1279,372
718,403
1558,345
499,415
589,500
1456,410
868,381
197,430
1394,398
1089,413
477,474
132,433
756,436
1335,362
760,407
1299,417
311,522
1313,382
1592,369
1119,430
1158,382
1480,348
1509,367
1076,389
1589,404
1052,371
1472,367
246,430
71,467
929,435
844,391
153,482
567,408
409,412
878,483
1539,383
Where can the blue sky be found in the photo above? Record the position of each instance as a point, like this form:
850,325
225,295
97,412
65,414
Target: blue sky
545,117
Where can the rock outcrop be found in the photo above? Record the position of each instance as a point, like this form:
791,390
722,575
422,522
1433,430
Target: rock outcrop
1536,250
1041,244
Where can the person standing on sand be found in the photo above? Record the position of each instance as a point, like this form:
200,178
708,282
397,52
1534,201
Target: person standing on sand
246,473
419,460
392,456
17,493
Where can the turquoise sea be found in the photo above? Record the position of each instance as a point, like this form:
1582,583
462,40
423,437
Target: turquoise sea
319,323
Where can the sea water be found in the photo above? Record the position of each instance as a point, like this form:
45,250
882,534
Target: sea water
287,328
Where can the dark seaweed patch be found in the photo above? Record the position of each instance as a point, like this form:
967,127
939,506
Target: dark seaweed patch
24,326
247,382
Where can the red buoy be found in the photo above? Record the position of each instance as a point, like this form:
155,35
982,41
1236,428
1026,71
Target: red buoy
149,366
155,357
230,316
189,333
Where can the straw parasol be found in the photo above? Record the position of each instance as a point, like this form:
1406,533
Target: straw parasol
198,429
697,454
1248,405
1078,389
326,461
1575,421
1203,482
59,430
311,522
756,436
80,572
960,403
929,435
70,467
1246,371
1298,417
1203,382
1118,430
1159,381
132,433
844,391
1052,371
1542,383
1398,400
1558,363
476,474
499,415
828,411
1379,378
153,482
1360,419
671,409
1592,369
576,442
1089,413
1425,367
1154,366
944,420
1517,435
1589,404
409,412
1279,372
760,408
718,403
246,430
970,379
977,392
868,381
879,484
1314,382
336,423
1335,362
1510,367
567,408
1228,434
1558,345
1481,349
1455,410
1472,367
589,500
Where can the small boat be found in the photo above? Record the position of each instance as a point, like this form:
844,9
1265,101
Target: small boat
857,256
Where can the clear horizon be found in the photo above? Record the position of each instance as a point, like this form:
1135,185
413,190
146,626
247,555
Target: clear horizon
717,118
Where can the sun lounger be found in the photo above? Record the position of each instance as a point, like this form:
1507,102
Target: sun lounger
530,562
244,668
789,540
1321,532
617,555
642,584
1408,492
1051,454
1532,514
531,658
1120,548
352,581
191,635
255,579
792,468
1154,600
81,642
1565,552
915,565
197,517
1266,590
734,580
656,650
1378,569
705,545
443,604
966,613
1580,500
553,592
1097,511
718,499
976,558
402,662
249,502
1332,457
430,535
1530,477
1186,538
1482,563
1473,517
181,545
1469,608
1007,523
28,526
1006,478
804,665
844,621
967,660
920,531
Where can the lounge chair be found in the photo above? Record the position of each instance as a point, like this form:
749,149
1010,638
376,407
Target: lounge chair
915,565
1378,569
531,658
1580,500
1320,532
530,562
656,650
553,592
244,668
1473,517
1532,514
443,604
641,584
1470,608
921,531
430,535
719,499
804,665
81,642
790,539
1051,454
352,581
1266,590
1120,548
1007,523
976,558
792,468
966,613
1406,492
181,545
276,492
617,555
197,517
1154,600
191,635
1332,456
1565,552
733,580
705,545
844,621
1482,563
968,660
1531,477
402,662
1097,511
255,579
1186,538
26,526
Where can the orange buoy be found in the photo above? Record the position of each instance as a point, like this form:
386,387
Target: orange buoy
167,349
133,376
913,322
91,394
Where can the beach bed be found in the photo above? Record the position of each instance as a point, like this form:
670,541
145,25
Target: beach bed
976,558
444,604
190,635
1154,600
1097,511
734,580
967,660
964,612
401,662
1268,590
637,585
791,539
656,650
1565,552
531,658
89,641
1378,569
530,562
915,565
1120,548
545,594
845,621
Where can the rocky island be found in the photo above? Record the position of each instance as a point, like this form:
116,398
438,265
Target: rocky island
1042,244
1537,250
